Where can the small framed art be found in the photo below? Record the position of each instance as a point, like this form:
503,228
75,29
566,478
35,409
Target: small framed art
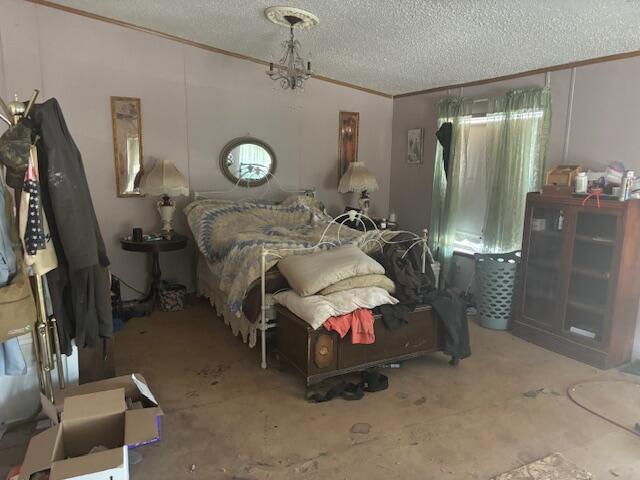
415,142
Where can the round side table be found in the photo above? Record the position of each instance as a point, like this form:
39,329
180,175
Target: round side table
154,247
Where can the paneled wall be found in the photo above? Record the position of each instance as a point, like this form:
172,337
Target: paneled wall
593,123
193,102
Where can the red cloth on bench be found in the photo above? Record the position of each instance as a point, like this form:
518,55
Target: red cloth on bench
360,322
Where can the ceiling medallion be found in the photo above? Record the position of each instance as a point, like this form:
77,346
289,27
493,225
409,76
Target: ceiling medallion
278,15
291,70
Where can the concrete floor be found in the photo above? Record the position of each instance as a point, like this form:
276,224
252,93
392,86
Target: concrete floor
225,418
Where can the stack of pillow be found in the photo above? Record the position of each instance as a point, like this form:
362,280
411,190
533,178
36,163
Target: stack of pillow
333,283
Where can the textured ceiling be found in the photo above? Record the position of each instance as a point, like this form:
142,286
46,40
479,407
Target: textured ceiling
398,46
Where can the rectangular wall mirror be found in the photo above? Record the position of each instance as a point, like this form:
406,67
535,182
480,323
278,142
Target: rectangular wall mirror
126,116
349,125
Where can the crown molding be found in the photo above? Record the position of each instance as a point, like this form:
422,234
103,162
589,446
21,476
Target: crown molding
537,71
203,46
210,48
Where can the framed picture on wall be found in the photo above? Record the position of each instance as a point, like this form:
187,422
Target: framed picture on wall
348,127
415,145
126,119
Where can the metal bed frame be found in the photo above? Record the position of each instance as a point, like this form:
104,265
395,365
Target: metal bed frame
377,236
351,216
204,194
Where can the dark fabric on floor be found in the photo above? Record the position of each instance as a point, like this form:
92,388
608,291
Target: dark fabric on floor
413,287
452,310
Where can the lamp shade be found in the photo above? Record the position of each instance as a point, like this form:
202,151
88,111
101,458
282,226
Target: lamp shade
164,179
357,178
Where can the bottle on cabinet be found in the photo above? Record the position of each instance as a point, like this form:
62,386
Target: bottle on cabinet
626,187
581,182
560,221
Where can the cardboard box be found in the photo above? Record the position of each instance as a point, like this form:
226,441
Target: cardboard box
562,175
136,391
92,421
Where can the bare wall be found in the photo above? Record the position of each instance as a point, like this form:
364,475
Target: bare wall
193,102
604,127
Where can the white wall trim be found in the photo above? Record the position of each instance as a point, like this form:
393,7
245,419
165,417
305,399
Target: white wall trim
186,111
567,130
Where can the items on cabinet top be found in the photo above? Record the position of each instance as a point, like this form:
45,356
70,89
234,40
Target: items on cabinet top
612,182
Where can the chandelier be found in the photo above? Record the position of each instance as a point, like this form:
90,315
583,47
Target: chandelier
292,70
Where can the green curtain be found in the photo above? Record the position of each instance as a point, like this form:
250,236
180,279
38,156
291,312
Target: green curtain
445,199
517,135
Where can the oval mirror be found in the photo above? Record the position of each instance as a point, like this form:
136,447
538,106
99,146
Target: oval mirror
247,161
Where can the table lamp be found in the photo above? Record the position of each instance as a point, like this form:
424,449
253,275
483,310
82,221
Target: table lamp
359,178
164,180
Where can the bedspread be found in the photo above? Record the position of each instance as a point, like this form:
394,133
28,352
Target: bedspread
231,235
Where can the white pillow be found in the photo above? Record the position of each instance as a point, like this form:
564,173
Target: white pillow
373,280
308,274
316,309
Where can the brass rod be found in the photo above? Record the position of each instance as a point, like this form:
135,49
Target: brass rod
43,324
45,357
36,352
32,100
49,386
56,345
43,335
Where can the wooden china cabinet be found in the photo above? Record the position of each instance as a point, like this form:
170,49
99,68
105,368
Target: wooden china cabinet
579,282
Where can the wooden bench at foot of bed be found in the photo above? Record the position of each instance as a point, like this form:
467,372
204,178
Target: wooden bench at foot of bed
320,354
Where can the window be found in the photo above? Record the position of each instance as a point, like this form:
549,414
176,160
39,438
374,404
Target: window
473,195
469,221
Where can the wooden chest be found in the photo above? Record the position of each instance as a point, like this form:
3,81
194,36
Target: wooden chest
320,354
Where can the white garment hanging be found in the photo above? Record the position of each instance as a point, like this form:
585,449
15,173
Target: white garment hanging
46,259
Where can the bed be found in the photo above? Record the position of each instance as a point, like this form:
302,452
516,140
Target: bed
240,242
231,236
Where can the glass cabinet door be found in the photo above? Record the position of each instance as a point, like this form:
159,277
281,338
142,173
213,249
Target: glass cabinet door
544,262
590,275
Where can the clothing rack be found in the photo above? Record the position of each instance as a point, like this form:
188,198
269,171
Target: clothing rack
45,334
375,235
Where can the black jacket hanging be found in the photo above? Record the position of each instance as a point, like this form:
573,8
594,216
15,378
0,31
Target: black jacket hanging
444,137
80,285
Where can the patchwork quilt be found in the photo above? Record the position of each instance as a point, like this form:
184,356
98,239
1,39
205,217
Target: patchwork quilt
231,235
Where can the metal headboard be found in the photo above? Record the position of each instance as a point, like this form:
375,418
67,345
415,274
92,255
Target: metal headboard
378,236
261,193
